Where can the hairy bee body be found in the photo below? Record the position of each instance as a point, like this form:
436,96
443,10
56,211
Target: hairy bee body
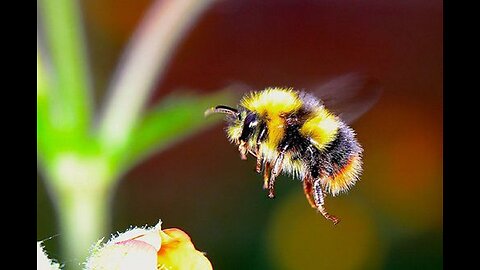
292,132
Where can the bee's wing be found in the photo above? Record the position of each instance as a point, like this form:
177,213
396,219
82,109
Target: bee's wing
348,96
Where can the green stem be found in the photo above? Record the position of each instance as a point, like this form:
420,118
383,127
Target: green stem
81,189
43,112
61,21
84,219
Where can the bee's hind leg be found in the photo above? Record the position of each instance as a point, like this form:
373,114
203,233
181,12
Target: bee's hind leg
307,189
319,200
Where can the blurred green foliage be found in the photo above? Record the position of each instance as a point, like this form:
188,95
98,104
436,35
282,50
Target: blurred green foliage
391,219
81,168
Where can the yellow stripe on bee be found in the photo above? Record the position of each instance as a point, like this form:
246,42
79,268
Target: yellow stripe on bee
273,104
346,178
276,131
321,128
272,101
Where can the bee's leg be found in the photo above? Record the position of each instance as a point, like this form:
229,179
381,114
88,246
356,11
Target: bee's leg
258,167
266,174
307,189
243,148
319,197
261,135
258,156
277,168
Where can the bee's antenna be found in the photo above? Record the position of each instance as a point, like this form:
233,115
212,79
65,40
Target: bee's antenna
222,109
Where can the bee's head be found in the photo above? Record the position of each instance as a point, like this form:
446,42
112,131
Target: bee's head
241,123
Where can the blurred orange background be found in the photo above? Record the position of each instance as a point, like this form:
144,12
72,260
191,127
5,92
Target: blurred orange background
392,218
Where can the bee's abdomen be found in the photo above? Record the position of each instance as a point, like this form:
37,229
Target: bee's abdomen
340,150
339,164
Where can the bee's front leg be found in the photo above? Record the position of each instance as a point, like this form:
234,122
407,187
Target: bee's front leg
258,166
243,149
261,136
319,199
266,174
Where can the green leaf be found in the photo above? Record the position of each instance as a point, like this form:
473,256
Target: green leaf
143,65
171,121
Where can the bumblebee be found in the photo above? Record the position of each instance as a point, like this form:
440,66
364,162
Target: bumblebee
293,132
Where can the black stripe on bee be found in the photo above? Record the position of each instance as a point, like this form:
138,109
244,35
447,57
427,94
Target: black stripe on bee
327,162
338,153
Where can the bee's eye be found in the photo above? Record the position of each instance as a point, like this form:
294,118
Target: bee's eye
250,120
249,125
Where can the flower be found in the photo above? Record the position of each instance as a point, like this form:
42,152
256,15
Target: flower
43,262
178,252
148,249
